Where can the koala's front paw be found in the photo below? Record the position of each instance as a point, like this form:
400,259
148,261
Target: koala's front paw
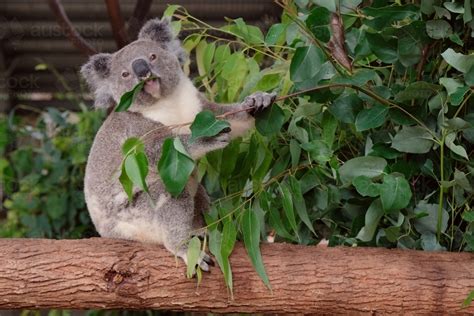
220,141
208,144
258,101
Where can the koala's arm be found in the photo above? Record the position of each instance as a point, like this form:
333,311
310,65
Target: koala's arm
198,148
241,121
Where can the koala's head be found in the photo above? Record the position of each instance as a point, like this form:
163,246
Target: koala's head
155,54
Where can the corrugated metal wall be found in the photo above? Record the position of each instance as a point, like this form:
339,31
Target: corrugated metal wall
29,35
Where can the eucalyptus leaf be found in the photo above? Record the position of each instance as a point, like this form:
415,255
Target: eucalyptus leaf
368,166
299,203
175,166
371,118
126,100
287,200
206,125
457,60
413,139
269,121
193,254
372,218
395,192
318,22
457,149
136,167
251,232
366,187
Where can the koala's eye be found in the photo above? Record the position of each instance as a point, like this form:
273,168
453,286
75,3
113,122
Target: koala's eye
125,74
152,57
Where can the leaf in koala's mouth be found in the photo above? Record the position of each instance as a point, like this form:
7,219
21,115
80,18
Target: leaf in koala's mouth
128,97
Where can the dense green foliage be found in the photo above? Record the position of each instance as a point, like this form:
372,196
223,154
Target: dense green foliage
377,153
42,173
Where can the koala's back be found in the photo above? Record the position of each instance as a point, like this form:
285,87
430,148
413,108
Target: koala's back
104,194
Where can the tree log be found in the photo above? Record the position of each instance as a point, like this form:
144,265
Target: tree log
104,273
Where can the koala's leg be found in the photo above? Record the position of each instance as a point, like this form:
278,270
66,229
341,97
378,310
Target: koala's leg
178,216
242,121
201,206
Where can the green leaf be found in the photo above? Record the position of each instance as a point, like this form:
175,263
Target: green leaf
420,90
318,150
128,97
305,63
127,184
221,246
438,29
457,60
371,118
365,186
215,247
368,166
287,201
413,139
276,34
409,51
318,22
428,223
251,232
457,149
132,143
193,254
299,203
206,125
384,48
468,216
467,302
469,76
372,218
170,10
385,16
345,108
136,167
458,96
234,71
429,243
175,166
269,121
395,192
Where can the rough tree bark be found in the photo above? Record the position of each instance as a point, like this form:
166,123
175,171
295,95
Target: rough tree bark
106,273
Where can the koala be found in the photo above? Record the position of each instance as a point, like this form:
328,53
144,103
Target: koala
168,98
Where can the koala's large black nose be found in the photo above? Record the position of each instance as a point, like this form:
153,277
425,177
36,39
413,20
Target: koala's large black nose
140,68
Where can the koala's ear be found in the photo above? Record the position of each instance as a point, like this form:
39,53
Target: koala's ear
96,69
95,72
159,30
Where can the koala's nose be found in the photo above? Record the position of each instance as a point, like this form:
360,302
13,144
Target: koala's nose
141,69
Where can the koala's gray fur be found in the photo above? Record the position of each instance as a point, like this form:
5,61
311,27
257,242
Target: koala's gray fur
169,99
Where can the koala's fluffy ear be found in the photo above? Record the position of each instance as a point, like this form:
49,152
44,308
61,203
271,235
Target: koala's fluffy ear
159,30
96,72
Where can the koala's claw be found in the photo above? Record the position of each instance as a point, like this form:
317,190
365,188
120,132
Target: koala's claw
258,102
205,261
223,137
226,130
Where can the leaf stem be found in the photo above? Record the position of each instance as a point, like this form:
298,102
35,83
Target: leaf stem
441,188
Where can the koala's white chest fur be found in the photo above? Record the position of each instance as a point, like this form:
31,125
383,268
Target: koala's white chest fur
180,107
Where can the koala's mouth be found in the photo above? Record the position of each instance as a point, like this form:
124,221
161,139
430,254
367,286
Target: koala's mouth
152,87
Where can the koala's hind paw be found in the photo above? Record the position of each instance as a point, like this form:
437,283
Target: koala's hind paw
205,261
258,102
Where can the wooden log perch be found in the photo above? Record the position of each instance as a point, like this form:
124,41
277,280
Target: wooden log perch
104,274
